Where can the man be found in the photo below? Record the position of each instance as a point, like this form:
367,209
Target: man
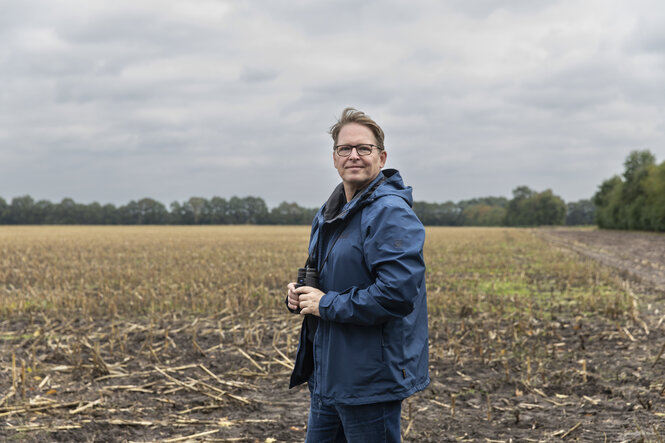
363,345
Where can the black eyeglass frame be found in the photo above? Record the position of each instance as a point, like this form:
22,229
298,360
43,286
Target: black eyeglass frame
336,149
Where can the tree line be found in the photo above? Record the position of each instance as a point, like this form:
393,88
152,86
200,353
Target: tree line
526,208
636,199
195,211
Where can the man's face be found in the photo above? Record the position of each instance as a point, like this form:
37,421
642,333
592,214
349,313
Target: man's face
357,171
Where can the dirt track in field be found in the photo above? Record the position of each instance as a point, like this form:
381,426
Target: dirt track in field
225,378
638,256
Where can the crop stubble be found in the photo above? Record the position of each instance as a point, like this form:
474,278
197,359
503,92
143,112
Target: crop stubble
180,334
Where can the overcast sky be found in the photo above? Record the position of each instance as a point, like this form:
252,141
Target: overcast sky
116,100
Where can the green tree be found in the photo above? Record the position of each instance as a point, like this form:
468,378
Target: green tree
129,214
4,211
237,214
654,204
291,214
22,211
67,212
109,214
218,209
198,209
633,194
501,202
607,201
530,208
43,210
247,210
438,214
633,200
580,213
90,214
483,211
518,212
178,214
257,210
151,212
548,209
483,215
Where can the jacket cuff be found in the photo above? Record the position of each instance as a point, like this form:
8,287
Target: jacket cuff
325,303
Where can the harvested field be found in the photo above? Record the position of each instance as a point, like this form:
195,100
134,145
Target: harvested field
178,334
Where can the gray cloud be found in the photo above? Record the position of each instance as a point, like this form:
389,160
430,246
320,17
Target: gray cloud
112,101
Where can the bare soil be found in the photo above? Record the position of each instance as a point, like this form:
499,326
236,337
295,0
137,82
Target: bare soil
637,256
225,377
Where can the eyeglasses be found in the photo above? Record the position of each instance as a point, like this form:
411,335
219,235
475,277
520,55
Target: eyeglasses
362,150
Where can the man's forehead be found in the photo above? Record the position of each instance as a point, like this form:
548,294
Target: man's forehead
356,130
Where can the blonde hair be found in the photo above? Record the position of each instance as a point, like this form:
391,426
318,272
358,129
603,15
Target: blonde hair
352,115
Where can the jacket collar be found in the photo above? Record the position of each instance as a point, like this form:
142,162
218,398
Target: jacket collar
335,203
338,206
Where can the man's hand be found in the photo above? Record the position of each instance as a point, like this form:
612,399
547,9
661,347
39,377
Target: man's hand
309,300
293,298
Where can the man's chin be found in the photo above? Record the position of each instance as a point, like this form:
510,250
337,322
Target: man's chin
355,180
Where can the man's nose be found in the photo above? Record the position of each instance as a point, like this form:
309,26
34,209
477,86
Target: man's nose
354,153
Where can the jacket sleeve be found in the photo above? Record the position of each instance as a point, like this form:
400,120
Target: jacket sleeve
393,239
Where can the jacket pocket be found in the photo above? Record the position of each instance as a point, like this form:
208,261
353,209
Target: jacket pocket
353,360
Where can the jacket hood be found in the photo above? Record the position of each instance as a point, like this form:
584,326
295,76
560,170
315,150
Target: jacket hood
394,185
388,182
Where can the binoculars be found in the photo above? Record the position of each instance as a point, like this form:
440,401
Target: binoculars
307,277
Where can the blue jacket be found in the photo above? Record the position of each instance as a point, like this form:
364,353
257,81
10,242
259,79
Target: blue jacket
370,344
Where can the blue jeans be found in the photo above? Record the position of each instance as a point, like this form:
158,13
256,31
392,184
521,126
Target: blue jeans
377,422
